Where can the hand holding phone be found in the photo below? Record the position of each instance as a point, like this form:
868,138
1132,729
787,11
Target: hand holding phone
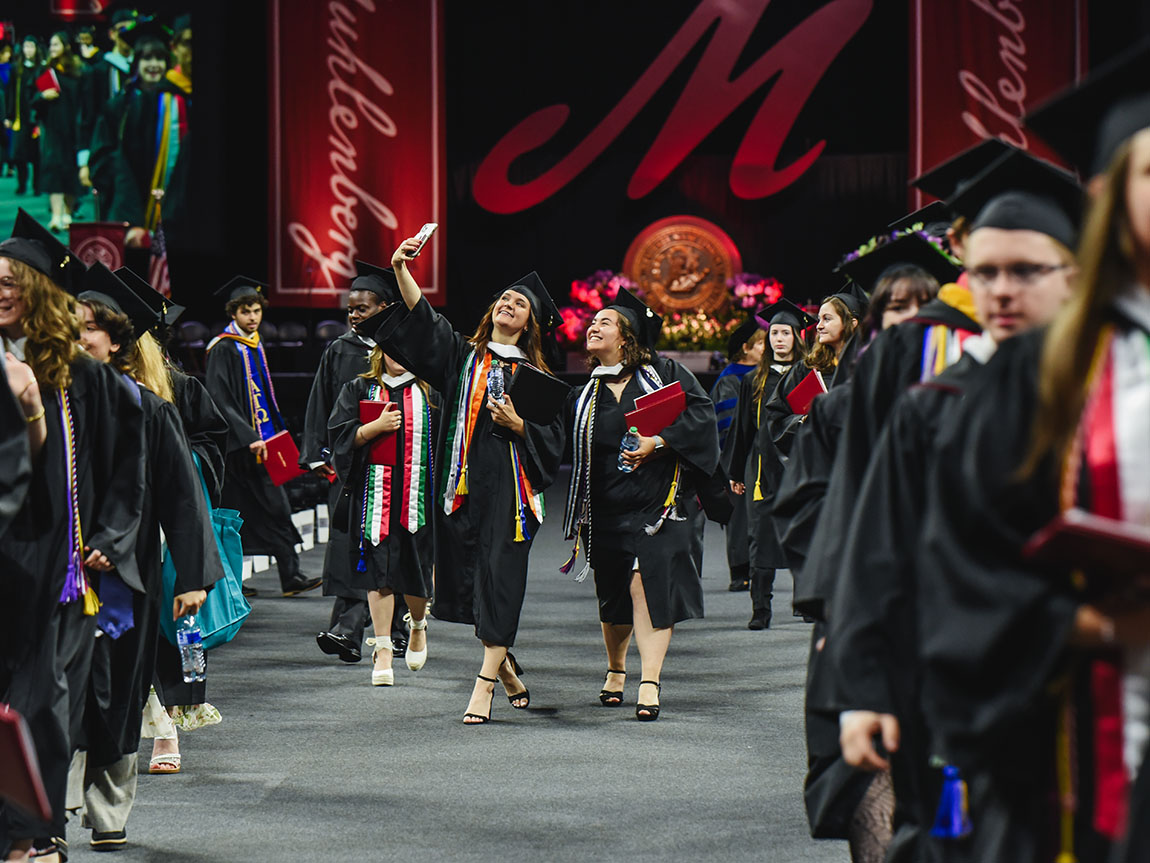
422,237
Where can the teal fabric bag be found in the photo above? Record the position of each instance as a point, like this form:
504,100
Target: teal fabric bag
225,609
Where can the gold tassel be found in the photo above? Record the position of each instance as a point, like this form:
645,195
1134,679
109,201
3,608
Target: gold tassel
1067,803
758,479
461,487
91,602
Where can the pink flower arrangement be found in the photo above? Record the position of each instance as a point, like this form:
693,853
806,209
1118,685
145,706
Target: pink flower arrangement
750,290
589,296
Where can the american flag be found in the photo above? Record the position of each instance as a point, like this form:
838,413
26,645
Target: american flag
158,266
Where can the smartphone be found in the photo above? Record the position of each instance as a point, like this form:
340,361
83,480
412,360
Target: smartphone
423,236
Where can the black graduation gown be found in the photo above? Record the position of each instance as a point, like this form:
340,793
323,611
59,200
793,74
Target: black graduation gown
403,562
871,635
204,427
18,96
267,527
123,155
15,457
623,504
481,571
58,128
173,500
342,360
993,629
751,455
725,395
47,646
101,81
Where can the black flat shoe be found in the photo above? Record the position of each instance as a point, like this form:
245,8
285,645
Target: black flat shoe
343,646
525,695
249,592
300,584
651,709
479,718
760,619
398,645
739,584
612,697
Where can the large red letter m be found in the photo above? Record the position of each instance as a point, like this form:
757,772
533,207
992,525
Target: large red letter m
799,60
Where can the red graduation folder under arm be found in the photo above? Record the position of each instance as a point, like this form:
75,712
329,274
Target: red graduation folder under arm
800,397
657,410
382,449
48,81
20,782
283,458
1101,547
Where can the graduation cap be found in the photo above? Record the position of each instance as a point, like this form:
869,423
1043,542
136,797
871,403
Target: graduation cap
377,280
124,16
102,285
785,312
1088,123
741,335
866,269
1022,193
639,315
854,297
167,311
241,286
935,218
944,179
33,244
544,308
145,28
182,23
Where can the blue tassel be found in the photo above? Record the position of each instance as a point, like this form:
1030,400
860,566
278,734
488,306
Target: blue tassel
362,565
952,820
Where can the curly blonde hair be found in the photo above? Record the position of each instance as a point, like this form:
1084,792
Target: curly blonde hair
51,325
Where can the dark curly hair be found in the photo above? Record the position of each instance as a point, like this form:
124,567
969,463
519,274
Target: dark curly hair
251,299
634,354
119,329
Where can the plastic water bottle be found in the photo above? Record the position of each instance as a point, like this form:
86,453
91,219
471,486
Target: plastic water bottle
495,381
191,643
630,444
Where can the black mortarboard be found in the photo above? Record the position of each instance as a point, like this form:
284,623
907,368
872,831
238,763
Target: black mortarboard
544,308
377,280
935,218
640,316
241,286
181,23
1088,123
943,179
906,249
33,244
167,311
741,335
854,297
124,16
102,285
785,312
1022,193
146,28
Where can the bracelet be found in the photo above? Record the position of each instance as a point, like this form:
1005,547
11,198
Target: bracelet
35,418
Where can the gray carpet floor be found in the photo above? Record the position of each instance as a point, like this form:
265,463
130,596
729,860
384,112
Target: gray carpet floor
312,763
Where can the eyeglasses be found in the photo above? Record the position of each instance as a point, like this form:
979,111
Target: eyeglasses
1020,274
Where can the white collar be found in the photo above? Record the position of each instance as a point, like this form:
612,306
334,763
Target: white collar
506,352
16,347
606,371
981,347
1135,305
397,381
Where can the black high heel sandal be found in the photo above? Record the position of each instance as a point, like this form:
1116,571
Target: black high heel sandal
482,719
652,709
525,695
605,695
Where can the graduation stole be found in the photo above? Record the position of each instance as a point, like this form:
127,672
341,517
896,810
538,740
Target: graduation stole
263,411
378,491
1112,447
472,396
941,348
171,124
76,584
578,511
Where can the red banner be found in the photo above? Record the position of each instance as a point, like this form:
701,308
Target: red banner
99,241
357,144
978,66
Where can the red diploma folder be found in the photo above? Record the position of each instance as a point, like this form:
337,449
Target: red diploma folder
800,397
20,782
655,411
1101,547
382,449
48,81
283,458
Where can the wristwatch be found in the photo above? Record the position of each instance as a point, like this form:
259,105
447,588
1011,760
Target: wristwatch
659,443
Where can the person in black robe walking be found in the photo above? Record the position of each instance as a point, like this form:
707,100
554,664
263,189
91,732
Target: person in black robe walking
238,379
752,461
75,534
342,361
388,508
482,546
56,111
18,96
631,512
